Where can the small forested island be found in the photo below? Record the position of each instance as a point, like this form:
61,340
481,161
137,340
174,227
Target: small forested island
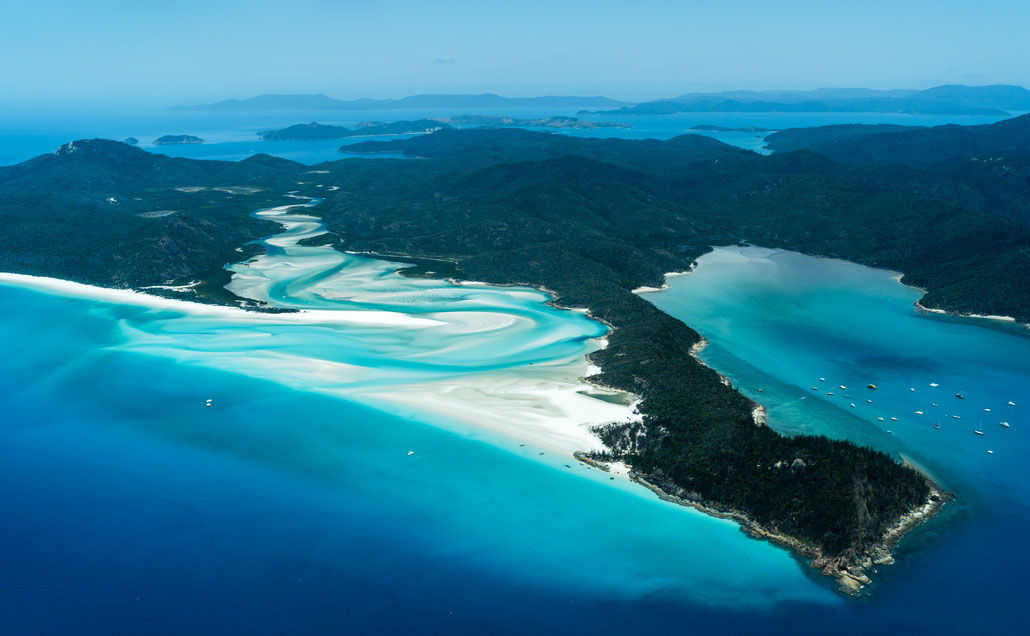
315,130
168,140
590,220
572,123
713,128
132,141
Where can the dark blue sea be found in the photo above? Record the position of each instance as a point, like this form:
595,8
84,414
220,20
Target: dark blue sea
291,506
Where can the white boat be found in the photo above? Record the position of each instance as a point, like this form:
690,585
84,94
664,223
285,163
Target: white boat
852,405
894,419
822,379
912,389
934,384
869,401
919,412
956,417
990,452
881,419
410,453
830,393
843,387
979,432
1005,424
1011,403
987,410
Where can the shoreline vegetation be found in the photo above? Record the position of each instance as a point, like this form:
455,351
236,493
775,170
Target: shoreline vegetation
850,574
589,220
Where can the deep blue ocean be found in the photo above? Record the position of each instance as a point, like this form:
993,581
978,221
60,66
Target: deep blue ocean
132,508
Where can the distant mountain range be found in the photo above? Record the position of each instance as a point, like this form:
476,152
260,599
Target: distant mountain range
997,100
484,100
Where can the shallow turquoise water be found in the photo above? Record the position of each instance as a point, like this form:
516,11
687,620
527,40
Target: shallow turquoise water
137,508
780,321
292,506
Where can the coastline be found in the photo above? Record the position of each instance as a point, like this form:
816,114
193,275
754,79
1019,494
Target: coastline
549,405
848,571
921,308
933,310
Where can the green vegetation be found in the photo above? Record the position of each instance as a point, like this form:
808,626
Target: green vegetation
516,122
590,219
315,130
168,140
105,213
912,146
714,128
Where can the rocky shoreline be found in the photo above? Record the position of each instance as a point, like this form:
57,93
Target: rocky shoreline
849,571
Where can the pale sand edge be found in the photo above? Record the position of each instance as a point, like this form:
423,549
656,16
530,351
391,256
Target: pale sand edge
137,298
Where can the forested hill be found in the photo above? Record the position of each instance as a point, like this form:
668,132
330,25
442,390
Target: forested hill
591,219
913,146
315,130
107,213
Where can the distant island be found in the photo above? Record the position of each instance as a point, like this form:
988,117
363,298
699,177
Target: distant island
132,141
570,123
315,130
998,100
484,100
168,140
711,128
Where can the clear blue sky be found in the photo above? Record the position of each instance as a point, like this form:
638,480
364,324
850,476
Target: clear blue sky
189,50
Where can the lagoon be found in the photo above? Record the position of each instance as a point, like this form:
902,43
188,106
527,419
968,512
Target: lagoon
779,321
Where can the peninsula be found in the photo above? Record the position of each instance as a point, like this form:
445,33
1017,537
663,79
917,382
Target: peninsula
591,220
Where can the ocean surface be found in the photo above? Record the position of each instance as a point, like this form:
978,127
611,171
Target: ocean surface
779,322
26,133
291,505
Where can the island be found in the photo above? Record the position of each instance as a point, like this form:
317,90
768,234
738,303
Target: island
713,128
590,220
997,100
570,123
315,130
132,141
168,140
431,100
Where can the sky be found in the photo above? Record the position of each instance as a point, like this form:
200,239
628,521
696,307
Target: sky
191,51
